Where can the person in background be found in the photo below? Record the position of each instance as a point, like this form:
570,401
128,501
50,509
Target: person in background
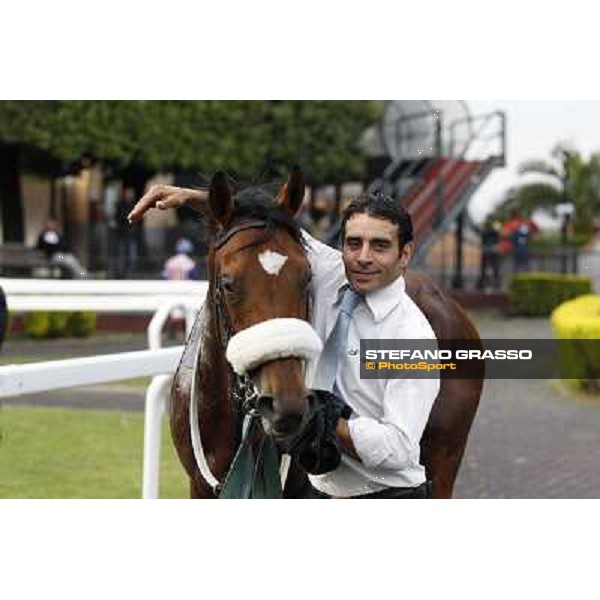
519,232
180,266
53,244
490,253
323,217
332,236
127,236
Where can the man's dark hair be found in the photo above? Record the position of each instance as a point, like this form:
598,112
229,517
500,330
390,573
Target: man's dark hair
380,206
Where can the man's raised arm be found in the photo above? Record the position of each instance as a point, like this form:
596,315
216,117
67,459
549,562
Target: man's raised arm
164,197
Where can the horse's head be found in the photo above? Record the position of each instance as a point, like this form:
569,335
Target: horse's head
260,278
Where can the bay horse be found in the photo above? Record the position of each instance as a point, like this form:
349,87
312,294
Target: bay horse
249,293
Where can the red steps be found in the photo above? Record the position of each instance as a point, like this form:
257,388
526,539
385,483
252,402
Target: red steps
422,202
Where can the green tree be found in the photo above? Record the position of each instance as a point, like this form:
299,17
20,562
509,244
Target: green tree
24,127
132,139
135,139
567,177
321,136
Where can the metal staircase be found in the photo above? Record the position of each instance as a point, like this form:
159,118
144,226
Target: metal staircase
435,170
454,204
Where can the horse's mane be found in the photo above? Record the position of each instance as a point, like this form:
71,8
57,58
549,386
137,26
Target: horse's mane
256,202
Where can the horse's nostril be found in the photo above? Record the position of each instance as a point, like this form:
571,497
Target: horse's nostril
265,404
285,425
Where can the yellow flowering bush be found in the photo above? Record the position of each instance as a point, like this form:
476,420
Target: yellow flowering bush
576,320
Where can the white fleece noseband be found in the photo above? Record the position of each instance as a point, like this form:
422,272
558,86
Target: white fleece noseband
270,340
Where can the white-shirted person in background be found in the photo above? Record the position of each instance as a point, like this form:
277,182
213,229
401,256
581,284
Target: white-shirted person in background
180,265
380,439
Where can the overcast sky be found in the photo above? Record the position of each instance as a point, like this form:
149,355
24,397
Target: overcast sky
534,128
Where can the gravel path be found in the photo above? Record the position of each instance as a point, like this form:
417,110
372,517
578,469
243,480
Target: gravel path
76,348
531,438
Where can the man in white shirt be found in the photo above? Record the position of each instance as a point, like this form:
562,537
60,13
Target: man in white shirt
380,439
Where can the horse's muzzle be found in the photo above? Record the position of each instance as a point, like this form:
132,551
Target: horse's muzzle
284,427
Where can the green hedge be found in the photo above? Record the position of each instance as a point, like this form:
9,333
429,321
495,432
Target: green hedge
36,325
82,324
537,294
41,325
58,322
573,321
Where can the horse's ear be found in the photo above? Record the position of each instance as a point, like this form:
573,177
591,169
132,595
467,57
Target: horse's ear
220,199
291,194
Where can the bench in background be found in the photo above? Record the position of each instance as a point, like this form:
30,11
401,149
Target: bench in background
19,260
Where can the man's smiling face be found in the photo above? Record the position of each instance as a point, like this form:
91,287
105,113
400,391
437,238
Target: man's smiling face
371,252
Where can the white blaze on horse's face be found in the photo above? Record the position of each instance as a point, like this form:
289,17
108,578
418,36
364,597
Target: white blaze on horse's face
272,262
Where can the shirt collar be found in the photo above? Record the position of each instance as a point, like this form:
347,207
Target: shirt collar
381,302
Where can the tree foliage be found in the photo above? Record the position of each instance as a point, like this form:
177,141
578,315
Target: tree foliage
26,123
566,177
250,138
255,140
321,136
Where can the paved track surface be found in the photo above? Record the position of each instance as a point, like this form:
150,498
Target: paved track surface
531,438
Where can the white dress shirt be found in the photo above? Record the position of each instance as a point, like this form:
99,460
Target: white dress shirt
389,414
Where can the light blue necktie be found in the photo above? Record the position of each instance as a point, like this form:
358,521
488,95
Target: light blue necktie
335,346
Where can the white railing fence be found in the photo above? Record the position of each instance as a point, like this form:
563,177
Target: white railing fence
102,287
159,298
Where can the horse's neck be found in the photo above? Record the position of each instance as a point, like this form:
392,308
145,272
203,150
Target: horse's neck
211,343
219,424
215,379
212,355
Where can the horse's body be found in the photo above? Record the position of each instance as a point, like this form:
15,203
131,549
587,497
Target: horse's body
445,436
220,413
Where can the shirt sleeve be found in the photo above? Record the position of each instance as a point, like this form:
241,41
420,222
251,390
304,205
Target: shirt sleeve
392,442
323,259
327,268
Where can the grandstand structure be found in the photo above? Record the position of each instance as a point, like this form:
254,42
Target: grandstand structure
432,156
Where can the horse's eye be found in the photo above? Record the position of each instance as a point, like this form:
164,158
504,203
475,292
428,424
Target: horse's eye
227,285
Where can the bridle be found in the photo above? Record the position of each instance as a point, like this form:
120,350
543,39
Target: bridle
245,396
225,327
245,393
